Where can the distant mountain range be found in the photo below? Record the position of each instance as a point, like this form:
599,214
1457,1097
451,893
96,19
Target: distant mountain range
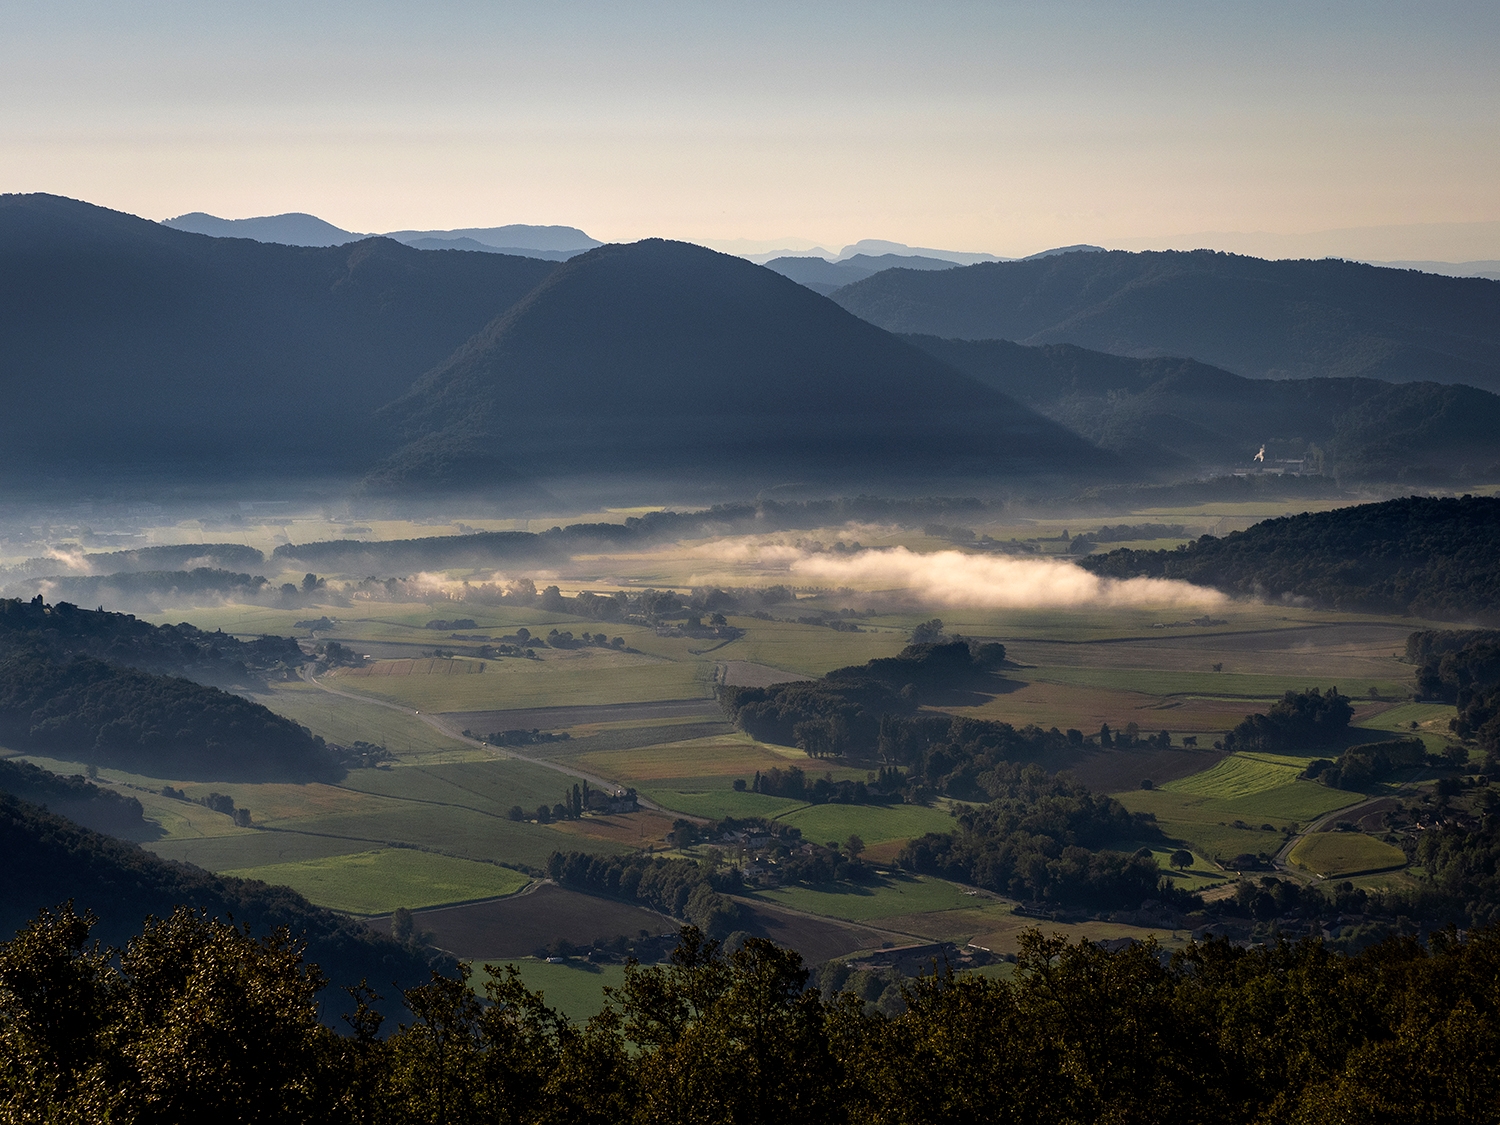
129,347
1289,319
551,243
824,275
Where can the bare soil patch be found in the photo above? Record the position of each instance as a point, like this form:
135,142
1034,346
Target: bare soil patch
633,829
817,939
1111,771
519,925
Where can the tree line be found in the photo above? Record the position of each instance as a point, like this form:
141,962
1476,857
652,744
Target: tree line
1463,668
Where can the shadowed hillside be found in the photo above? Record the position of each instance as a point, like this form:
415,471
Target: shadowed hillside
169,347
1434,557
662,356
1262,319
1187,416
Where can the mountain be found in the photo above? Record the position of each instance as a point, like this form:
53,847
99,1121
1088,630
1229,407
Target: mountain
1434,557
1489,269
879,247
291,229
429,243
663,357
866,247
553,244
125,344
516,238
822,276
1183,415
1251,317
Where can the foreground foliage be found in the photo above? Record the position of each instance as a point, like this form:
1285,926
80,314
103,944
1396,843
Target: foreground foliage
196,1020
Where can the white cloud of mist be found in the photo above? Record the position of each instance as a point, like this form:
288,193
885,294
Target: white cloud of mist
955,578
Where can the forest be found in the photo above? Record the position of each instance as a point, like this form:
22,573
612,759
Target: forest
1043,838
194,1019
1435,557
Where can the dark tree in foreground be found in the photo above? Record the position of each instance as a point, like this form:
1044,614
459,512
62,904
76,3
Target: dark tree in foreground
198,1021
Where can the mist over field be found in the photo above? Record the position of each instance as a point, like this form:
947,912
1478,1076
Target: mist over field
956,578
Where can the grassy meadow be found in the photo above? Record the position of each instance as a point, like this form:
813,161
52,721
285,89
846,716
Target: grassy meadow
377,882
1332,854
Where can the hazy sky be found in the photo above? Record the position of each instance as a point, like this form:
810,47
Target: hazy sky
977,126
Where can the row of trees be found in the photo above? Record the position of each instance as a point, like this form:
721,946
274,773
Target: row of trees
680,888
196,1021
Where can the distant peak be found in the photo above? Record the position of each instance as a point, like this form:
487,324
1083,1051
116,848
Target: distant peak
879,247
295,228
1078,248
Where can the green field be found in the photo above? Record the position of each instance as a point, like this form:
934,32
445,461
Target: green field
810,649
574,988
1249,686
721,759
890,897
485,786
346,721
575,678
717,802
377,882
1239,775
1330,854
872,823
1207,824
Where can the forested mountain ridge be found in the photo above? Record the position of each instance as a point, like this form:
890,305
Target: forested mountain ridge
173,347
1287,319
658,355
1436,557
1188,416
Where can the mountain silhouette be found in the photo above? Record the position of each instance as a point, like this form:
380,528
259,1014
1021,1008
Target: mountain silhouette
126,343
1286,319
292,229
662,357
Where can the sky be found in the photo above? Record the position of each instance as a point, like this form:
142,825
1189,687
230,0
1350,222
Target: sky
1003,128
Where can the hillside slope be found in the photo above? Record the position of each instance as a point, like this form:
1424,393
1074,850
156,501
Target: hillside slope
1435,557
1252,317
172,348
1188,416
50,860
664,357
